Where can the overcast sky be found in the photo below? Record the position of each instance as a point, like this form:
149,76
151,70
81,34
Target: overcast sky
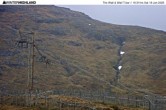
151,16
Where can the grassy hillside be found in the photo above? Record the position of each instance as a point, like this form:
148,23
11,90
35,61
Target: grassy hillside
82,51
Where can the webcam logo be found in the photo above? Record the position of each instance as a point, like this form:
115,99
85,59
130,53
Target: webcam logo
19,2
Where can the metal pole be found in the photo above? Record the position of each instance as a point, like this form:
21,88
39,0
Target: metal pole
29,73
33,56
149,105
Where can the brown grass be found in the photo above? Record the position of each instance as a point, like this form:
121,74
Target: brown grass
143,47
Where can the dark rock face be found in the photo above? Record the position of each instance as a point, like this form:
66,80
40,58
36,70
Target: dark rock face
74,43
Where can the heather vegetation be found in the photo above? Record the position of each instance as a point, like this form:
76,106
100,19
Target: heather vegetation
82,51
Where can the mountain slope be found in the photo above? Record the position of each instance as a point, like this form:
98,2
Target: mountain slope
81,51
